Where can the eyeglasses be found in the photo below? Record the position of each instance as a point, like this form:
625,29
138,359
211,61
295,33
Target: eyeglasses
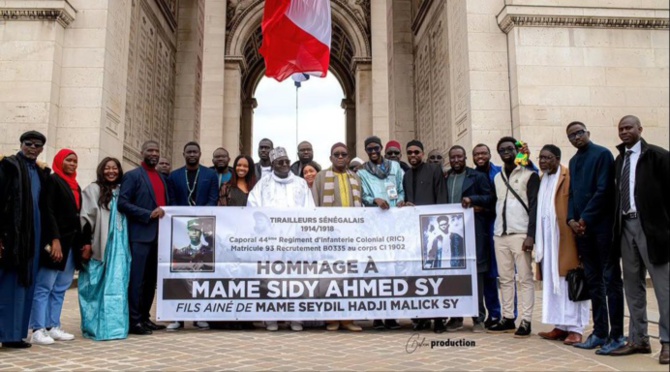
283,162
36,145
506,150
414,152
392,152
435,157
579,133
340,155
372,149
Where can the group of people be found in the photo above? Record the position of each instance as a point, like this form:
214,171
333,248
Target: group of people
598,213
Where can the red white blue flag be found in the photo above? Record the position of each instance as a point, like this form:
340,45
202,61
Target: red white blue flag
296,37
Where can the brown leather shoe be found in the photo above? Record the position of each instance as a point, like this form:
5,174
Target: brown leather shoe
631,348
555,335
573,338
664,357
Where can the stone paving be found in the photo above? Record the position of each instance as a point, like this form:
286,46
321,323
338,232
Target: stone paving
317,349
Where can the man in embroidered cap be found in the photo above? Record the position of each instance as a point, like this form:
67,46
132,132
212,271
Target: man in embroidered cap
393,153
338,186
281,189
22,184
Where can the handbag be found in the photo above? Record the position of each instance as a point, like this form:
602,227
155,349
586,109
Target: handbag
577,288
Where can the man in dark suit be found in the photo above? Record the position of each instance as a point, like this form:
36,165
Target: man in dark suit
470,188
590,215
193,184
424,185
642,173
143,193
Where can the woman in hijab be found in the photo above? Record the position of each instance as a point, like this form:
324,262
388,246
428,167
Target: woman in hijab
62,250
103,281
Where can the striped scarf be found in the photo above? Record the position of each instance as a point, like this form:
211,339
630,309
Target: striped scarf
329,188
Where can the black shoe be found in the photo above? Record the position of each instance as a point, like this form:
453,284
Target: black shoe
378,325
148,324
391,324
488,323
454,324
503,326
16,345
421,324
138,329
438,326
524,330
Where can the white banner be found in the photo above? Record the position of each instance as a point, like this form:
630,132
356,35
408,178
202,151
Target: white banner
235,263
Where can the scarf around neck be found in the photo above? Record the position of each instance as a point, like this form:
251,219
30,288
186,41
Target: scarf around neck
286,180
380,171
329,188
70,179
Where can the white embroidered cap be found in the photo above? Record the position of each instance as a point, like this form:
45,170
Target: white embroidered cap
277,153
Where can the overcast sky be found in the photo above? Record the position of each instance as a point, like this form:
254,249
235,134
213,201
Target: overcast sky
320,118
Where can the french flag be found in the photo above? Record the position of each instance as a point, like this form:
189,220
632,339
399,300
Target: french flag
296,37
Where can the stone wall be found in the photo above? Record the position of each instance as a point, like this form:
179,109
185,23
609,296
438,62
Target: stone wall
151,81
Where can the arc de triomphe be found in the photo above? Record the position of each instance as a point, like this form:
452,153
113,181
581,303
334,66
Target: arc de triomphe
103,76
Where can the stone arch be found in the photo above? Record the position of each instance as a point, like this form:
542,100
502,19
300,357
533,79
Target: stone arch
350,46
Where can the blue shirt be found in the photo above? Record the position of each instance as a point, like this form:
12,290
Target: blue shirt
374,187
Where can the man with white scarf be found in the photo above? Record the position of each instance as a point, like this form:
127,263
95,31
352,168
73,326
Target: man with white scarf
557,252
281,189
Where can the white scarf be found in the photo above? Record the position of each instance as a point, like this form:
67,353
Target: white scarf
550,183
286,180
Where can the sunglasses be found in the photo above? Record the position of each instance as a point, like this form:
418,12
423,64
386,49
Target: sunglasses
413,152
578,133
392,152
373,149
283,162
435,157
36,145
340,155
506,150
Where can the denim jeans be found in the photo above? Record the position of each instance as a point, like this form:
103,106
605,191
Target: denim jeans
603,277
50,287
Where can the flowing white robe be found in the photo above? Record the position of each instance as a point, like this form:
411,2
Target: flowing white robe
557,309
289,192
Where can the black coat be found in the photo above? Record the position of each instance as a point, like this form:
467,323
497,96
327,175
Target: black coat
477,187
16,218
652,201
61,221
430,188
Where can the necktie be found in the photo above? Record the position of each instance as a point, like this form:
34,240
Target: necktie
625,183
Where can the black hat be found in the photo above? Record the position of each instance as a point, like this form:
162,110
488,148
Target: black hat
373,139
33,134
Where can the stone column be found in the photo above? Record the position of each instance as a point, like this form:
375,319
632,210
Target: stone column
212,133
188,82
401,72
247,125
379,10
232,105
31,59
349,107
364,104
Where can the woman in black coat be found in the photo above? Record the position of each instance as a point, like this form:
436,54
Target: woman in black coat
62,251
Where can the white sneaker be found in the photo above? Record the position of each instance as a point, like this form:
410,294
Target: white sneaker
41,337
202,325
271,326
175,326
59,335
295,326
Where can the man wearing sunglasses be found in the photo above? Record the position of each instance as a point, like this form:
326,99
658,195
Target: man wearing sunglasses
424,185
382,187
516,189
22,185
281,189
591,217
393,153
